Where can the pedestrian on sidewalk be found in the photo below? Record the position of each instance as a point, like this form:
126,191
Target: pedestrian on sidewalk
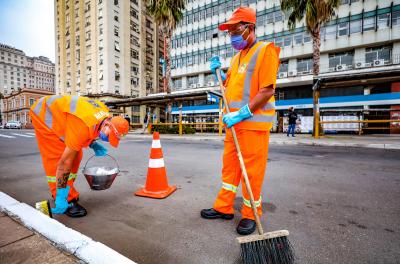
292,116
250,87
64,125
146,121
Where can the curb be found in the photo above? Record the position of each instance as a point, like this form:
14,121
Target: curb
282,142
65,238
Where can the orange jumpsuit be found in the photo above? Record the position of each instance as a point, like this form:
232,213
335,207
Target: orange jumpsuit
248,73
61,121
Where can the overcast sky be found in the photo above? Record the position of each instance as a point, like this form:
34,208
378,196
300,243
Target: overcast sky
28,25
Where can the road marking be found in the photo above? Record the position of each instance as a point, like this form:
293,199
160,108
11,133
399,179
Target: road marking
1,135
20,135
32,134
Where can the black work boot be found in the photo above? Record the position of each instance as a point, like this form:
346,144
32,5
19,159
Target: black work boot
75,210
212,214
246,227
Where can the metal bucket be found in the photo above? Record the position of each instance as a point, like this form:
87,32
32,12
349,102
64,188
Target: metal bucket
100,177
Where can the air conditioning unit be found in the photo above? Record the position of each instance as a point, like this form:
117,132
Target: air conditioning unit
193,85
292,73
283,75
379,62
210,83
341,67
359,65
368,64
199,85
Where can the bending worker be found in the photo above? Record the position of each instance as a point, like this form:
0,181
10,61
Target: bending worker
64,125
250,87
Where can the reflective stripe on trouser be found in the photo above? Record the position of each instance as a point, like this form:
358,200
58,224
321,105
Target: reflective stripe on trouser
254,147
51,149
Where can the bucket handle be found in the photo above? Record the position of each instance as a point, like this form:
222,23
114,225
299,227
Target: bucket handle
103,156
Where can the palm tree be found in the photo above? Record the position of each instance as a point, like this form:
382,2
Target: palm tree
167,14
315,13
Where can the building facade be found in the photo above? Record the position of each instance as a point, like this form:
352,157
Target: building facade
363,37
109,47
17,71
16,105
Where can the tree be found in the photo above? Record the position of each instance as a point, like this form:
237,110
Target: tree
315,13
167,14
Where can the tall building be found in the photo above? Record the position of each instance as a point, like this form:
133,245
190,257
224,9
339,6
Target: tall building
17,71
361,41
106,48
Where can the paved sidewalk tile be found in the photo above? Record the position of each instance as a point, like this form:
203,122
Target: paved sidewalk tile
11,231
34,249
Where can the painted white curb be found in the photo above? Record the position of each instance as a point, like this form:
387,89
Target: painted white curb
63,237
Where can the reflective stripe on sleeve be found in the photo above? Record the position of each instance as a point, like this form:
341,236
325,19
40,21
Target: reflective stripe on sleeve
51,179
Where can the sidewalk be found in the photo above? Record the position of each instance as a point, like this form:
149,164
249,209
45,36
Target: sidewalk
373,141
29,236
20,245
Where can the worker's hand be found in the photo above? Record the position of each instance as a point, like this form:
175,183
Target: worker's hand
61,201
236,117
99,149
216,64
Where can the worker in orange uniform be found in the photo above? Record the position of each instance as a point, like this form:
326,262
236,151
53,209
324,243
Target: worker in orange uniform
64,125
250,87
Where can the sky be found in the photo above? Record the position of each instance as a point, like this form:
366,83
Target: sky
28,25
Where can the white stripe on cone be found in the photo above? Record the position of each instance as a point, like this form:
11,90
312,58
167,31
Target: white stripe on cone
156,163
156,143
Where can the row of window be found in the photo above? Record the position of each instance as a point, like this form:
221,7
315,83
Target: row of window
329,32
337,61
373,20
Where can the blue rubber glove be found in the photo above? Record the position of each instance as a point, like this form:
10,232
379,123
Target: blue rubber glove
216,64
61,201
99,149
236,117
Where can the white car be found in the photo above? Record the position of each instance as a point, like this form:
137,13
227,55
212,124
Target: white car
13,124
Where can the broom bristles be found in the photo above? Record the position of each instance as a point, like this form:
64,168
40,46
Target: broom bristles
276,250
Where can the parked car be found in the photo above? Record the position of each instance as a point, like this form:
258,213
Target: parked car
13,124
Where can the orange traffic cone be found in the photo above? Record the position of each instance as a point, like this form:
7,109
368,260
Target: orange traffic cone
156,182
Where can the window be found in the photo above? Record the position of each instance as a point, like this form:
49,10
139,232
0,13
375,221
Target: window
287,41
378,53
88,35
279,41
116,46
355,26
270,18
384,20
192,81
284,66
396,18
304,65
278,16
116,2
343,29
134,54
116,18
306,37
330,32
31,101
369,23
298,39
116,31
341,58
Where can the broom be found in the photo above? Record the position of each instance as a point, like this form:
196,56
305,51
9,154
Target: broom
272,247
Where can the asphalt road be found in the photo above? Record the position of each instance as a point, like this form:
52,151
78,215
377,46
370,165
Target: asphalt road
340,205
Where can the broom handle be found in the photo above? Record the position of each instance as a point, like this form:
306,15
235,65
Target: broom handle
241,161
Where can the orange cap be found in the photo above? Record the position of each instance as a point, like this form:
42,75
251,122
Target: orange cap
120,128
241,14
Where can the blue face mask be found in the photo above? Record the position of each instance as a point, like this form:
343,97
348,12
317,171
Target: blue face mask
237,41
103,136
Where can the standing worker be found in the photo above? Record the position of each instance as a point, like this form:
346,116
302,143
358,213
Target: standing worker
250,87
63,126
292,118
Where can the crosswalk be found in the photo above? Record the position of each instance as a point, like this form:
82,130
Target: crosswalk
17,135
